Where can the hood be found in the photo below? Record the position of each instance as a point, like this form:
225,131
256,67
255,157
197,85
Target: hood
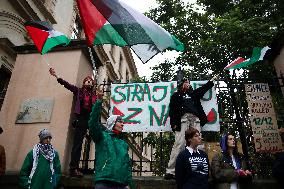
223,143
111,121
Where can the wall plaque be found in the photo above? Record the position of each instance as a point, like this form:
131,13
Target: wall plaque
35,111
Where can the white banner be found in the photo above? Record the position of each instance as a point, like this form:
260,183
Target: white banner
210,107
145,106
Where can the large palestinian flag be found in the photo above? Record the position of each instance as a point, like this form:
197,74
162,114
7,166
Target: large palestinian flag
44,36
257,55
114,22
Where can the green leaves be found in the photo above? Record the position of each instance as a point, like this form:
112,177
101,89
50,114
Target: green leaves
220,30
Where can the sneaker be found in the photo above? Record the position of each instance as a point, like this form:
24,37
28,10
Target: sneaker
169,176
76,173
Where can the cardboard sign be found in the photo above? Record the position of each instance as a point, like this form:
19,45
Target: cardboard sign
263,119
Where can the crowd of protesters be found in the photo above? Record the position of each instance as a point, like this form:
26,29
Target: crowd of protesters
189,165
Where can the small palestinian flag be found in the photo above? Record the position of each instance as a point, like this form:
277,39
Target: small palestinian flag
114,22
257,55
44,36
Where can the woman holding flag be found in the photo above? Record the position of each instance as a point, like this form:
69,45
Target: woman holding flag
85,97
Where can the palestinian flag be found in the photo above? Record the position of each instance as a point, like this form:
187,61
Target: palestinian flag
44,36
257,55
114,22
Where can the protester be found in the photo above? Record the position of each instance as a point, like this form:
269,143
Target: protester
192,165
185,110
41,168
113,164
2,157
228,168
85,97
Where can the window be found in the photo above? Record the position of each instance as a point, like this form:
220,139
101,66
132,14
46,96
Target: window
4,81
76,29
127,76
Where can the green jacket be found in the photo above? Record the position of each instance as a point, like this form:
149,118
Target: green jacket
112,160
41,178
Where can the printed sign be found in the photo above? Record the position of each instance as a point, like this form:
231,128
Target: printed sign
263,118
145,106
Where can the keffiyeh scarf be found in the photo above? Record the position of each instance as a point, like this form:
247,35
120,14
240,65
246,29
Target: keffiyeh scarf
47,151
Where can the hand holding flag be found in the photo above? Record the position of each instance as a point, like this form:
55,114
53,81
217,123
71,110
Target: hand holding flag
53,73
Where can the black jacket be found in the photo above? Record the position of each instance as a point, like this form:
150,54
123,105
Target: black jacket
176,105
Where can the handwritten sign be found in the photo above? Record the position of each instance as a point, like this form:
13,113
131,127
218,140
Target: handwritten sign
145,106
263,118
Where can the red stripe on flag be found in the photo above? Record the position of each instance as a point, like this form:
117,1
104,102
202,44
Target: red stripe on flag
38,36
116,111
235,62
92,19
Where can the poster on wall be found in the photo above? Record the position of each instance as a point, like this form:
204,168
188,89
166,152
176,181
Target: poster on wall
145,106
262,118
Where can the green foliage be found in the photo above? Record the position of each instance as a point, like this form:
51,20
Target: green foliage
162,142
139,79
214,33
222,31
261,163
163,72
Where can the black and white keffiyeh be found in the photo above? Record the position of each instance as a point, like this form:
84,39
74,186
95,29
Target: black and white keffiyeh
47,151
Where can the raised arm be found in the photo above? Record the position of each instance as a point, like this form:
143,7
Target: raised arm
61,81
95,126
199,92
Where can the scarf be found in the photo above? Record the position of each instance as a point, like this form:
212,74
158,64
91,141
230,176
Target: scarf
88,98
47,151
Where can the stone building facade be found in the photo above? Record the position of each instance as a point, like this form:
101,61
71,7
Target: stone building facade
24,74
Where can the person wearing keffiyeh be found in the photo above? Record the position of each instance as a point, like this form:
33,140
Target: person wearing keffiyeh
41,167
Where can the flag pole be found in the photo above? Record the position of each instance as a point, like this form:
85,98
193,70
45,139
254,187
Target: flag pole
46,61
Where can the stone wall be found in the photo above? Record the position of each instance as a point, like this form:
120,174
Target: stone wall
10,181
